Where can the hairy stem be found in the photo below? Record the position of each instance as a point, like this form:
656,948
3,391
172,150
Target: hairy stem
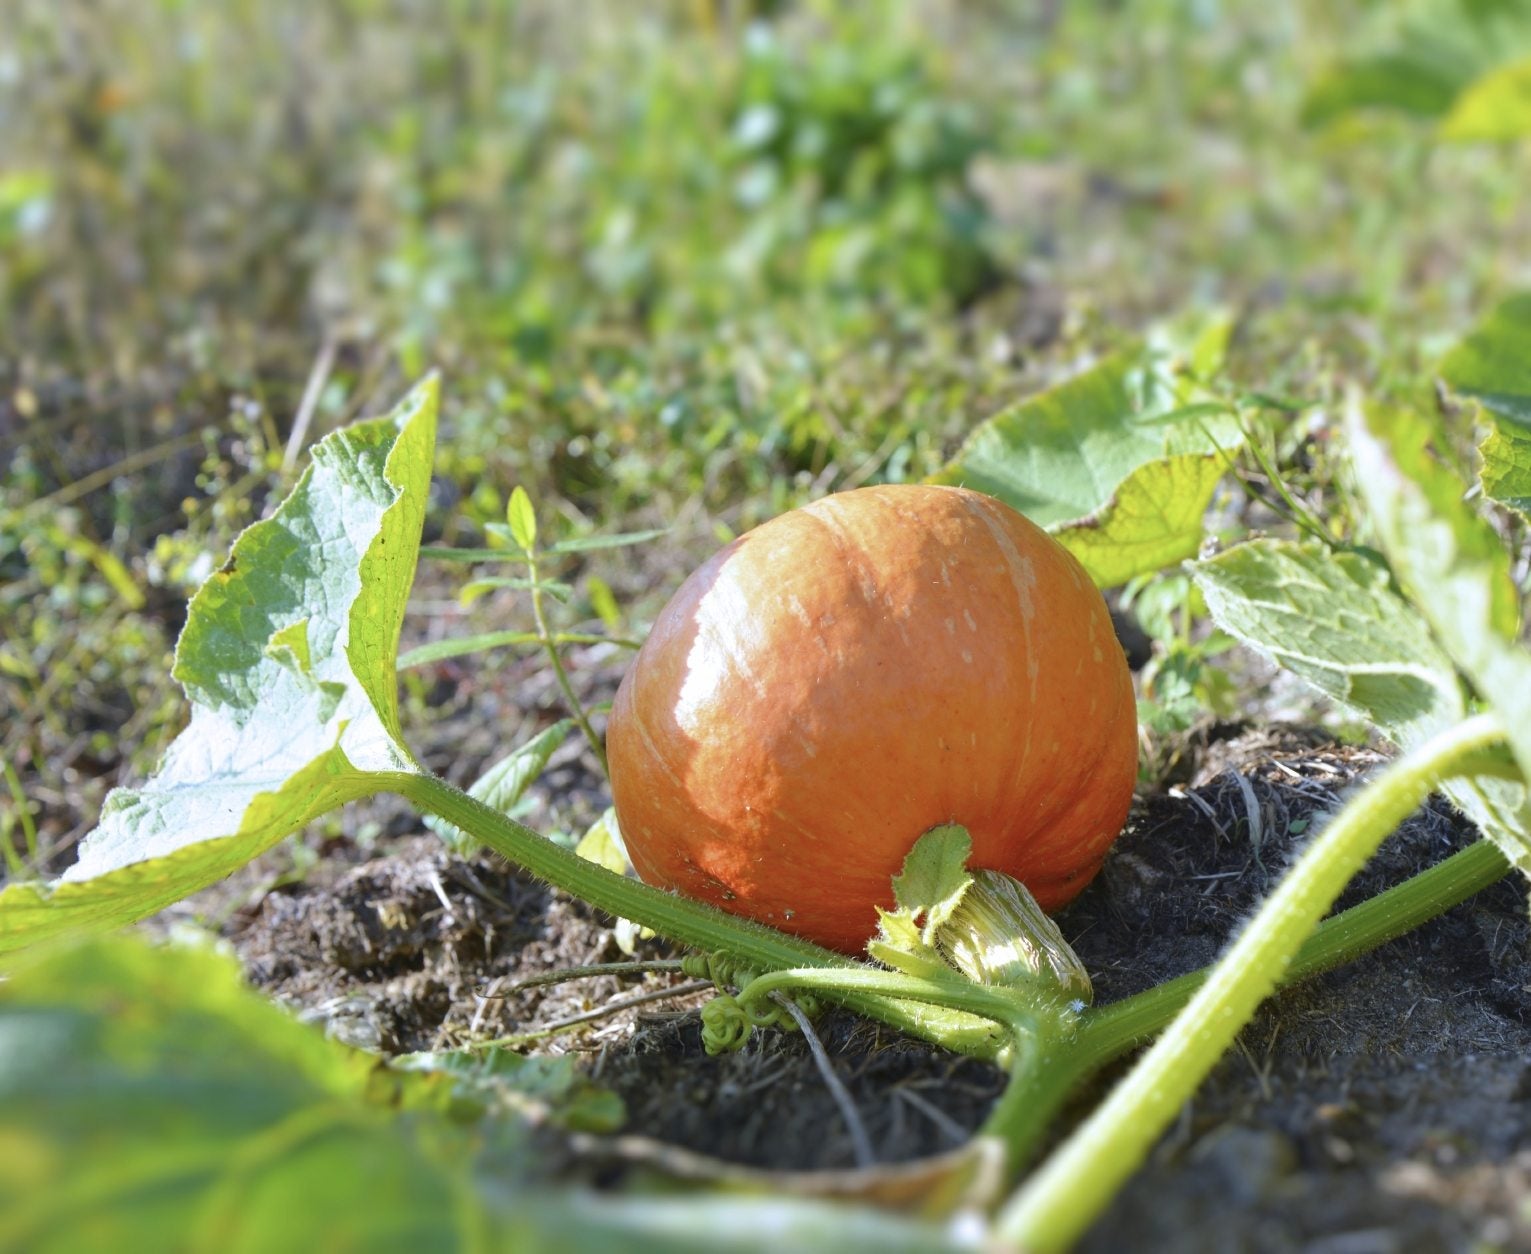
956,994
681,919
1056,1205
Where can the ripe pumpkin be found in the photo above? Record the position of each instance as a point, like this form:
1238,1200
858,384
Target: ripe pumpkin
851,674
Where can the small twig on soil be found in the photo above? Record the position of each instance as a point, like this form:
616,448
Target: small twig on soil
488,995
590,972
1201,804
464,871
1252,811
312,391
934,1113
861,1143
601,1012
434,880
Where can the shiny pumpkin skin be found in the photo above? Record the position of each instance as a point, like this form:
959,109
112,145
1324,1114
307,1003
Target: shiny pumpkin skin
848,675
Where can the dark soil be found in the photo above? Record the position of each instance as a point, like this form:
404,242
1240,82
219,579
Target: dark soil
1382,1107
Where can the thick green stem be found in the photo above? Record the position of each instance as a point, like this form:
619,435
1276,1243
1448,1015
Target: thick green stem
1056,1205
1061,1061
680,918
956,994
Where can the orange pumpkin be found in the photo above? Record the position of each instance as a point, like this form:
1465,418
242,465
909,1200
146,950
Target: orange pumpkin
843,678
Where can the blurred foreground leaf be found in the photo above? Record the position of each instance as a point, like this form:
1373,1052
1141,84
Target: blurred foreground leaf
287,658
1496,106
149,1101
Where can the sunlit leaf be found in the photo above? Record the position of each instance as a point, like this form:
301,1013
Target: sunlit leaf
1120,463
288,661
1506,476
1333,618
604,602
1493,364
1452,565
1496,106
522,519
602,844
1153,520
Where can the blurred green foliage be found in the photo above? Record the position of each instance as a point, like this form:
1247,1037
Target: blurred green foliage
685,263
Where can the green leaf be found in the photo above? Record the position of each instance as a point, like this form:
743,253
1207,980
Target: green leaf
1119,463
602,844
1506,474
1153,520
476,588
1452,565
1493,363
934,877
504,783
621,539
1334,619
1496,106
522,519
542,1089
604,602
149,1101
928,888
287,658
459,645
1413,80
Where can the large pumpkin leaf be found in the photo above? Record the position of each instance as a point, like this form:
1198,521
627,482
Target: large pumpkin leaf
149,1101
1506,473
1334,619
287,658
1493,363
1452,565
1118,463
1496,106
